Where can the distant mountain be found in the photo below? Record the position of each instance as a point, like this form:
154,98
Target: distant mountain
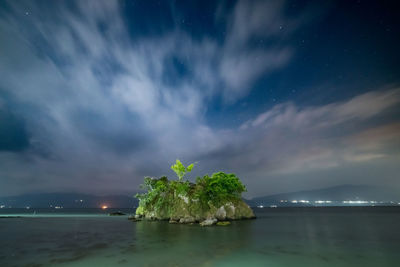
68,200
334,194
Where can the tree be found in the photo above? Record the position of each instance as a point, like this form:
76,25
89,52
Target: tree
181,170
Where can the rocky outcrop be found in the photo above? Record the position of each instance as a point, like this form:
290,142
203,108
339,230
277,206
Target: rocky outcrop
211,200
220,214
189,210
208,222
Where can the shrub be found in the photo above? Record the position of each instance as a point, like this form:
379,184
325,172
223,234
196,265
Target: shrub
156,190
219,187
180,188
140,210
161,193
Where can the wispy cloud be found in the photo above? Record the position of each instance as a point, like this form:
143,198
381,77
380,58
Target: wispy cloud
289,140
103,108
358,108
322,133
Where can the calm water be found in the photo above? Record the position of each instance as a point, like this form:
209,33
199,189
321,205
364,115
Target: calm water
278,237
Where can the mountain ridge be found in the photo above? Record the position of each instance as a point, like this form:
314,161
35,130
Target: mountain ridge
338,193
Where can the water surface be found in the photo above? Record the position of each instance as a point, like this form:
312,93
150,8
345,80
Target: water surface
345,236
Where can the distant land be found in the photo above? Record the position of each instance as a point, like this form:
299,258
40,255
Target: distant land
68,200
343,195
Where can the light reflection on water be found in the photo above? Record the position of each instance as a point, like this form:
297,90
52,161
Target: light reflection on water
344,236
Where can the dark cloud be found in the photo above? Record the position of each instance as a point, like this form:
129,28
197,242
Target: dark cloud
98,105
13,133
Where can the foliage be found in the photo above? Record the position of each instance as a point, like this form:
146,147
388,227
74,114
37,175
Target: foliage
156,190
162,194
181,170
140,210
219,187
180,188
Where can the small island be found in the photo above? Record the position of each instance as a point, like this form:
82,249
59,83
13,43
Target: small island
214,199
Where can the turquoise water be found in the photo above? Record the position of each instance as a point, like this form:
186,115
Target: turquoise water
359,236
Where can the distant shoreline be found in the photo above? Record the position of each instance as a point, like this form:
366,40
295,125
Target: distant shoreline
74,213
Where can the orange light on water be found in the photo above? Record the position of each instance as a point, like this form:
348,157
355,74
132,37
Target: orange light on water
104,207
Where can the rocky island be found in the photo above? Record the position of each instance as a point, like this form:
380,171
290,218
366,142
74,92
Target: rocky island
214,199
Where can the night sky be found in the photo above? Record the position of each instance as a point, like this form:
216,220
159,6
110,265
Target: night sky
289,95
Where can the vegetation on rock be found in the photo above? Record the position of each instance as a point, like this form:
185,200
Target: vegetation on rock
223,223
215,197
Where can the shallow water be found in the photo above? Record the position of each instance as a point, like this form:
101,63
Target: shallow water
359,236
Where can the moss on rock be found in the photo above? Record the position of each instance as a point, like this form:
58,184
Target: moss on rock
225,223
212,198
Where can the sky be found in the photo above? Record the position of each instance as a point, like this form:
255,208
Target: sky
289,95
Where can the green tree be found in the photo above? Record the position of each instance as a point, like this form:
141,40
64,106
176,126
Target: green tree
181,170
219,188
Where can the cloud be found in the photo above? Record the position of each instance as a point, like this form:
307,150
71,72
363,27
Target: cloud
289,140
252,21
13,133
99,107
323,135
361,107
364,157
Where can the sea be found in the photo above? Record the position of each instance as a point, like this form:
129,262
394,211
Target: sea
323,236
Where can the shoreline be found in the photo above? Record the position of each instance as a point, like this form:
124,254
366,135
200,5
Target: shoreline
68,213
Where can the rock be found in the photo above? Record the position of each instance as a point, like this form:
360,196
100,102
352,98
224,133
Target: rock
177,206
187,220
225,223
117,213
221,214
208,222
243,211
184,198
151,215
133,218
194,211
230,211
